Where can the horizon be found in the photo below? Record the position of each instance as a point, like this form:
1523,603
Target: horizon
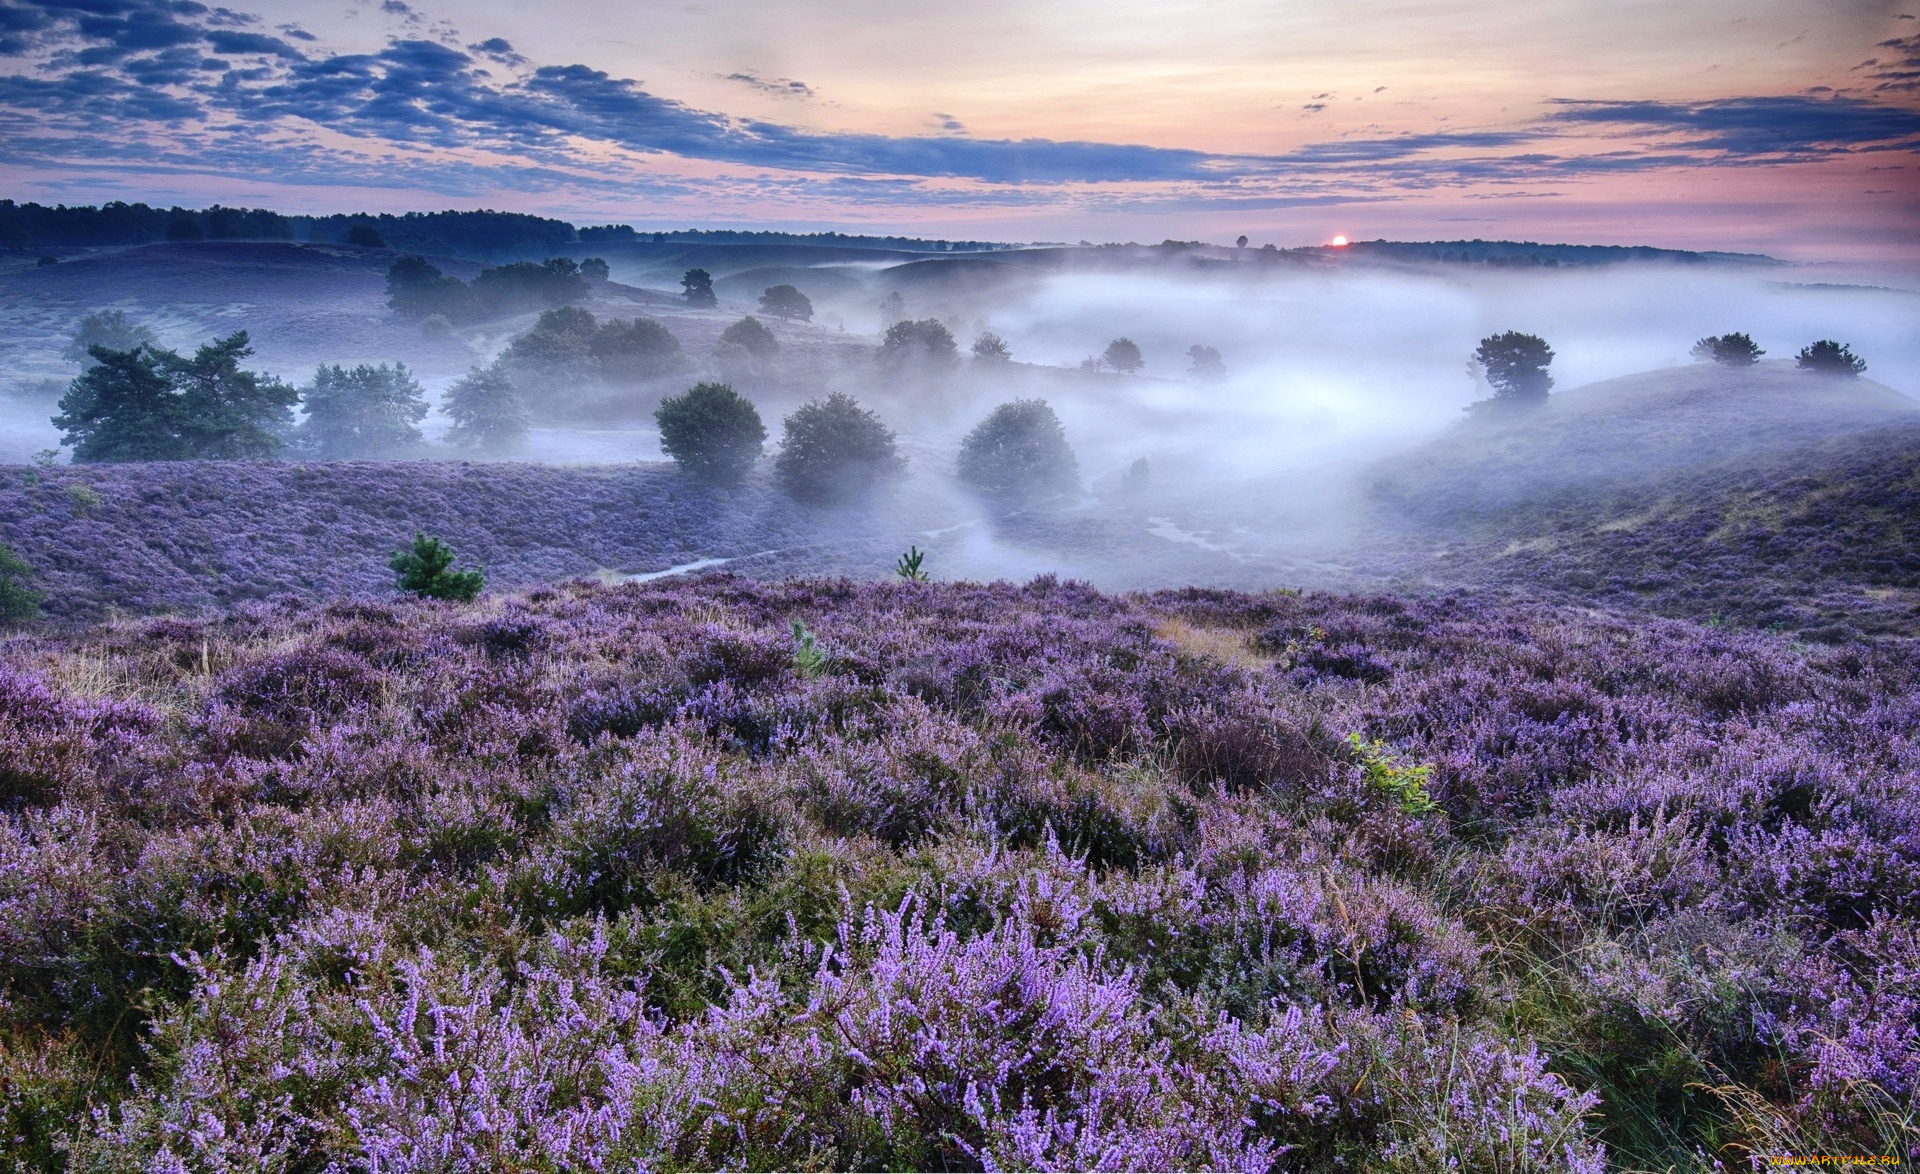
1776,128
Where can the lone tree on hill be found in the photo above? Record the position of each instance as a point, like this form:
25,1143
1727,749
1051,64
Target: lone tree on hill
1828,357
991,349
427,571
487,411
111,329
150,404
17,600
1123,355
785,302
1205,364
1019,454
1516,366
1728,350
750,337
696,286
595,269
363,411
834,452
924,343
712,432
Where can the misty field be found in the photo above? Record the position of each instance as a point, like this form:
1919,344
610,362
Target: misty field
718,874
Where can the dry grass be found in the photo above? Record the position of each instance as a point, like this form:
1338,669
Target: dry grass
1223,645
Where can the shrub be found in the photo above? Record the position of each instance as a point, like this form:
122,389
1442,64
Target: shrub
925,343
1019,454
750,338
1123,355
785,302
1828,357
427,571
712,432
1729,350
436,326
17,600
834,452
487,411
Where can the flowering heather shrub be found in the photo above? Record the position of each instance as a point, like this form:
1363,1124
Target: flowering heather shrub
1022,876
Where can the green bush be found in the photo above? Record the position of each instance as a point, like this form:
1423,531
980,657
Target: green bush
427,571
1019,454
1828,357
1729,350
17,601
712,432
834,452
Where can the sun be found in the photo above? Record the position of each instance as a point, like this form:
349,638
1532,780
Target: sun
1338,242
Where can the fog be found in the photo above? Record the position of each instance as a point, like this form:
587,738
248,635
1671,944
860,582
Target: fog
1330,370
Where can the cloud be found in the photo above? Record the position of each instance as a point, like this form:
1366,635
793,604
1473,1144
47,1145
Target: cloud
499,49
1795,125
779,87
1903,75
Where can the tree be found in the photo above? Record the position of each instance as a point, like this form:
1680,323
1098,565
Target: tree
751,338
1516,366
630,351
1019,454
427,571
925,343
785,302
712,432
991,349
487,411
1241,242
111,329
17,601
835,452
1828,357
366,236
696,286
150,404
595,269
529,285
893,308
1729,350
1205,364
1133,482
184,228
417,288
1123,355
364,411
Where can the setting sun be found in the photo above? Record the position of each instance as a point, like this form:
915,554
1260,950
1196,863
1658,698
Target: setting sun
1338,242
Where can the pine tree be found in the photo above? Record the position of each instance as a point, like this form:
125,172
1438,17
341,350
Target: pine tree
364,411
427,571
487,411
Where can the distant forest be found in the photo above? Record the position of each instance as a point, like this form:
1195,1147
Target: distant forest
1529,253
481,235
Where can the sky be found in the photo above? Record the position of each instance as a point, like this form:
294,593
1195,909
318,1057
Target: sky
1790,127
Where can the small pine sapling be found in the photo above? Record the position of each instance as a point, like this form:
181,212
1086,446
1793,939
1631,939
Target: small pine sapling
909,566
427,571
807,656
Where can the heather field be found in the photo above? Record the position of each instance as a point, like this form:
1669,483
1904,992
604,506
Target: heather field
953,876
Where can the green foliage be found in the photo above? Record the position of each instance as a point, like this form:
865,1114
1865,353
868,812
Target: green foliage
1019,454
17,601
85,498
1828,357
595,269
1516,367
991,349
713,432
111,329
785,302
807,656
427,571
834,452
1406,785
571,361
926,344
150,404
909,566
750,337
1729,350
529,285
487,411
362,412
1123,355
696,286
1205,364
